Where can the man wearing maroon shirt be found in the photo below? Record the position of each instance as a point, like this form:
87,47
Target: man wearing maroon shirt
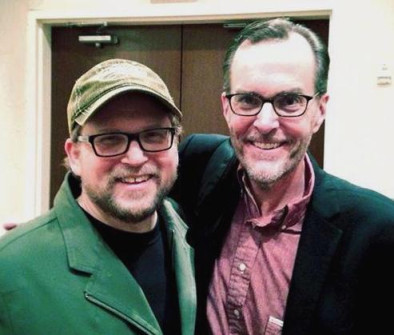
281,246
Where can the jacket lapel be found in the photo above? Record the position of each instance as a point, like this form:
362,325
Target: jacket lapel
182,260
317,246
113,288
110,285
319,241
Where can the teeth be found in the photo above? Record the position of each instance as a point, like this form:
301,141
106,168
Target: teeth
136,179
266,145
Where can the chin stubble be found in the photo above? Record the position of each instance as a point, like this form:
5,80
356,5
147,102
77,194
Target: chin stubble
106,202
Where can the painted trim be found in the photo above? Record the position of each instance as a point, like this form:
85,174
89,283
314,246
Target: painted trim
38,115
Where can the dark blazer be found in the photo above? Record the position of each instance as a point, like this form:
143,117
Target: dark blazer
343,278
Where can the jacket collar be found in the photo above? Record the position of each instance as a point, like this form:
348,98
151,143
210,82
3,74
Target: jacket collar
110,285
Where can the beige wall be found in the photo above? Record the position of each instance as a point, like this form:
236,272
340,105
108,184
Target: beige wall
13,109
360,117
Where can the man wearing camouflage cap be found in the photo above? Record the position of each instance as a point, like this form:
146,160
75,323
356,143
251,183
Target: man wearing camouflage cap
110,257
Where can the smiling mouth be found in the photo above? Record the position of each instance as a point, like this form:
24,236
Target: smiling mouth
266,146
135,180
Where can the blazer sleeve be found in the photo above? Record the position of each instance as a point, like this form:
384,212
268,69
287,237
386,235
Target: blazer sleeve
195,152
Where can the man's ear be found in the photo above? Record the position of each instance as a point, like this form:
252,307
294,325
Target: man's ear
73,152
225,107
321,112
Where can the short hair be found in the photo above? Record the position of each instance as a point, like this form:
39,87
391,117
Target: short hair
279,29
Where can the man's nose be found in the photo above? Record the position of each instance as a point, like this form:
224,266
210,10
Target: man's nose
267,119
134,155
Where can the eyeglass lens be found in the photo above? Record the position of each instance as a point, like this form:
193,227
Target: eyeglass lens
117,143
284,104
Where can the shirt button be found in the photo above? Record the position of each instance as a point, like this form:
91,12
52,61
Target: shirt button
242,267
237,313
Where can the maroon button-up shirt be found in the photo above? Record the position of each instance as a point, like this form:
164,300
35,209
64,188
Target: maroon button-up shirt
251,279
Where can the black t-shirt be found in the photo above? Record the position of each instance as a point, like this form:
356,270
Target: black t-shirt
147,257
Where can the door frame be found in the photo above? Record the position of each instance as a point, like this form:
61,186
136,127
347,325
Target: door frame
38,84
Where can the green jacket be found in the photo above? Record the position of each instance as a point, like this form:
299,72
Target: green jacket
57,276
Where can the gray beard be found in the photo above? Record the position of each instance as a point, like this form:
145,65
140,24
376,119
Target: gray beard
266,182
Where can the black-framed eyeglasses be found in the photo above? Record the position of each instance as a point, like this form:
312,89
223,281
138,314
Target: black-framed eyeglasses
118,143
284,104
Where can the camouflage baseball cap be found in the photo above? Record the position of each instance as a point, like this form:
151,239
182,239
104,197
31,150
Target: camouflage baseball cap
110,78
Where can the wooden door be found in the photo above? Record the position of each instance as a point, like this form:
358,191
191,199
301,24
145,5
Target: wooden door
188,58
158,47
203,51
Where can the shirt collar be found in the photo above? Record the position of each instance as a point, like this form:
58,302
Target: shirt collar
285,217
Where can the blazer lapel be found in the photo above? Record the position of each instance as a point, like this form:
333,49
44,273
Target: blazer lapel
319,241
317,246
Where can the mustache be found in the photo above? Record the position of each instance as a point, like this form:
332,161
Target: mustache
267,138
128,172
